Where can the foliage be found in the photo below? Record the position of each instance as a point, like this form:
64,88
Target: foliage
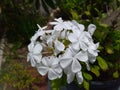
87,9
107,66
17,76
20,19
109,49
24,28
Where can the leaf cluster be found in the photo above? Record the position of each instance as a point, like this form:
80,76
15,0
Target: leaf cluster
19,77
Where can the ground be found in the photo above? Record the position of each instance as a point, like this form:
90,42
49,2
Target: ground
15,58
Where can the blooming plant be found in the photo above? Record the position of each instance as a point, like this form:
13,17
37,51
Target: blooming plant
63,50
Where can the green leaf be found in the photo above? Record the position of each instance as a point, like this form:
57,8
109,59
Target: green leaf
95,70
87,76
116,74
109,50
57,83
100,47
86,85
74,15
102,63
87,13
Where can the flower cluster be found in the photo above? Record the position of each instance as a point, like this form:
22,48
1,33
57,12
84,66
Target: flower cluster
62,49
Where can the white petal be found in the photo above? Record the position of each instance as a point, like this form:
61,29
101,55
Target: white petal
50,42
52,74
46,61
59,46
75,29
63,34
87,35
93,52
81,27
70,77
55,34
76,46
92,58
42,70
34,38
38,26
41,28
79,77
72,38
83,46
55,60
39,33
44,27
56,51
75,22
37,58
82,56
97,45
64,62
68,53
58,27
33,63
91,28
37,49
53,23
67,70
30,58
93,46
67,25
58,69
58,19
76,66
30,46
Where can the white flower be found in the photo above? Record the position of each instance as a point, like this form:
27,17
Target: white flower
58,47
93,52
52,37
71,75
34,55
70,58
63,48
82,56
40,32
79,77
92,49
53,42
91,28
77,26
67,25
50,66
58,25
78,40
